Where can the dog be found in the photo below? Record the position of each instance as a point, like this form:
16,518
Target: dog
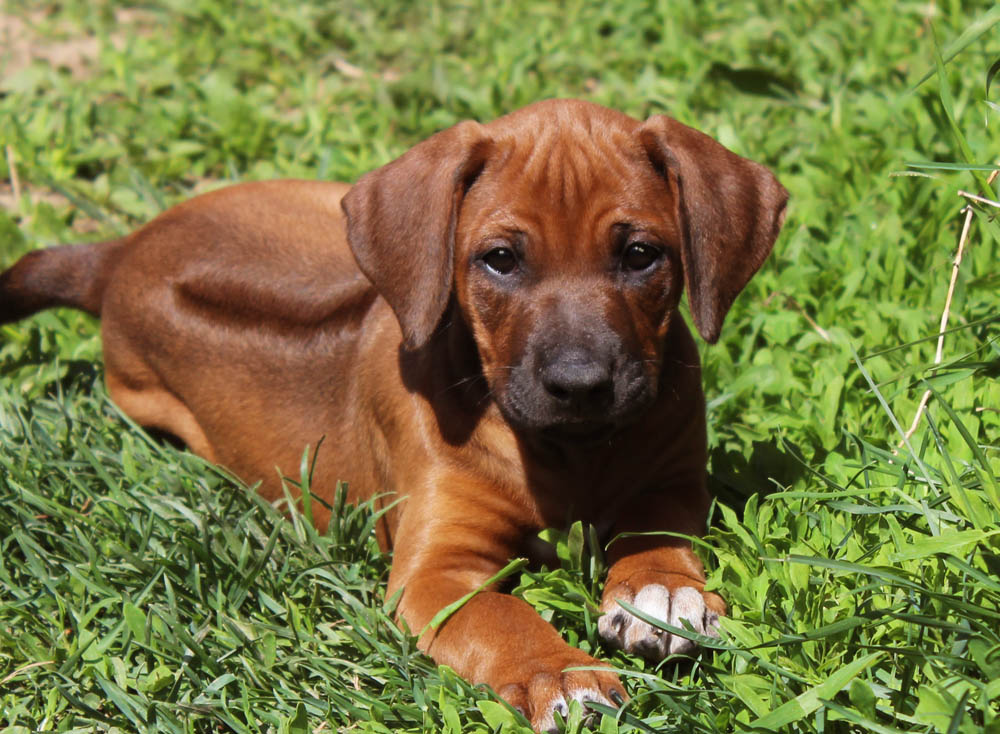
486,332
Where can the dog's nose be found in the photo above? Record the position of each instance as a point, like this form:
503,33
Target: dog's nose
579,380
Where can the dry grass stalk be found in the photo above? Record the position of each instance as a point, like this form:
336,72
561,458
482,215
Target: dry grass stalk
939,353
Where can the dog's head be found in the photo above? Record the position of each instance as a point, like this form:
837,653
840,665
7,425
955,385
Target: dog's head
565,233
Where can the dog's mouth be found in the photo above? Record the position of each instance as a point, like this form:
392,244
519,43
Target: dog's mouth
558,425
581,434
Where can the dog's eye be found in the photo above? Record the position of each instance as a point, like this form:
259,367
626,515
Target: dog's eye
501,260
639,256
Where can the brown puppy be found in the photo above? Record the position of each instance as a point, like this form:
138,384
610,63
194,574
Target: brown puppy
491,334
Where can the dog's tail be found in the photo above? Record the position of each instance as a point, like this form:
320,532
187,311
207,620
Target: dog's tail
68,275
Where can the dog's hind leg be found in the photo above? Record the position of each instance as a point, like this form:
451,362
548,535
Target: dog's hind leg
139,392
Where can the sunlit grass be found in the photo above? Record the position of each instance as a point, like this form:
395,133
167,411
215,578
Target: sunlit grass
142,590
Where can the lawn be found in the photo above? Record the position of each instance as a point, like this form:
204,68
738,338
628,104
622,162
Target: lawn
143,590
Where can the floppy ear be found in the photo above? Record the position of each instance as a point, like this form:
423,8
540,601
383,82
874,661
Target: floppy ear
401,224
730,208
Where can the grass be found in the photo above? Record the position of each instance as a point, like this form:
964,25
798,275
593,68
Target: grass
141,590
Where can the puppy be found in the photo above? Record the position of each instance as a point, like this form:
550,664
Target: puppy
486,328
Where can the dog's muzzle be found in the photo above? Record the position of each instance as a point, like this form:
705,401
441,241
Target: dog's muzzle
576,393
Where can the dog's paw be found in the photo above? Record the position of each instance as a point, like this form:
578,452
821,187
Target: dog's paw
622,629
542,694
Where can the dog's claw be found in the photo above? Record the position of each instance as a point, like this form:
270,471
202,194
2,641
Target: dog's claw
621,629
544,695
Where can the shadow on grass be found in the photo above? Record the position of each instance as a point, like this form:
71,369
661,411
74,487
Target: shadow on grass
771,465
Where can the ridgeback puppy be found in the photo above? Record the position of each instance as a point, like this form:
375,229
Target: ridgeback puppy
487,328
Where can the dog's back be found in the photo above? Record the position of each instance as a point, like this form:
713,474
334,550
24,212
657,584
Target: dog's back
233,230
230,321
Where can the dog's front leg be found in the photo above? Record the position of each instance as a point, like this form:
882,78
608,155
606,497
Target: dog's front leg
450,546
659,574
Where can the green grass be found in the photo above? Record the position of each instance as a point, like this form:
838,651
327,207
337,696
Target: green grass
141,590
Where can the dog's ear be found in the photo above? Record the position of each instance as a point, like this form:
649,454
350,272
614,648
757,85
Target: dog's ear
401,224
730,209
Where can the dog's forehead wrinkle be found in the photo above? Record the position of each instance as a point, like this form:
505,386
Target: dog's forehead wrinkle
568,154
569,175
